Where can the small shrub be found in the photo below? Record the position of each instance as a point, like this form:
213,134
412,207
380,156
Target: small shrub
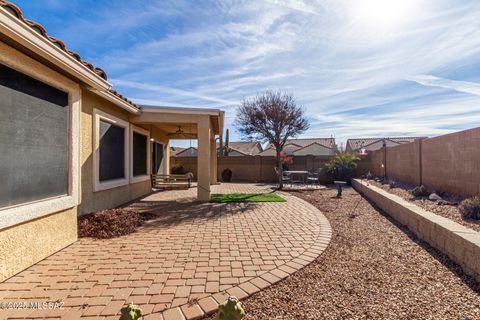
111,223
419,191
470,208
178,169
227,175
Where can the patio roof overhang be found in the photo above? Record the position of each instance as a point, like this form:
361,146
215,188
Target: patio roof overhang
195,123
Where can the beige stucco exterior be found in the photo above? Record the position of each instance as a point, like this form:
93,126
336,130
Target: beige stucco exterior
30,232
25,244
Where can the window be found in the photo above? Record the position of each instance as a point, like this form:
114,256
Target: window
34,139
39,142
140,160
112,152
111,149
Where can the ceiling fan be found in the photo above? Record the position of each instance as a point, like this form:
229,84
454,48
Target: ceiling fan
179,133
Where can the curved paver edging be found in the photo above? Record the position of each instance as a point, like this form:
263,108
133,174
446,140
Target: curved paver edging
458,242
180,265
209,305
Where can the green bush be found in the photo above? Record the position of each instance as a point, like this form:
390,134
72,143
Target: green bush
342,166
178,169
470,208
419,191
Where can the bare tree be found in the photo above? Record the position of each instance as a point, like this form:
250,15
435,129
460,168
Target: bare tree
272,116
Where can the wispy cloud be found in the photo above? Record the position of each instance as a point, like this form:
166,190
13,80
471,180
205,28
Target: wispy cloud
355,76
460,86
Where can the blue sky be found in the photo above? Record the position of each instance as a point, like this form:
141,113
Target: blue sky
359,67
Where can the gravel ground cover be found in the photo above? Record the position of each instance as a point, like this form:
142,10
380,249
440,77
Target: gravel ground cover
373,269
447,211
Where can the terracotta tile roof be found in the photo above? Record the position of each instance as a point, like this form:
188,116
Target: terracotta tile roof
358,143
15,11
121,96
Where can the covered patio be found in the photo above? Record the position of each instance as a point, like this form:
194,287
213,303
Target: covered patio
204,125
180,265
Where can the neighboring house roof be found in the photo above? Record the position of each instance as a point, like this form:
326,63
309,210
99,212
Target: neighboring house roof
250,148
314,149
293,145
187,152
175,150
377,143
15,11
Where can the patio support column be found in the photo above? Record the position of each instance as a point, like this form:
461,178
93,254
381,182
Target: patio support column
166,166
213,159
203,159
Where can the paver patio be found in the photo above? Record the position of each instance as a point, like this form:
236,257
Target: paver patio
179,265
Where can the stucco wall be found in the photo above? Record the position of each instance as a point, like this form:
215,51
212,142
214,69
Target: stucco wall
25,244
90,200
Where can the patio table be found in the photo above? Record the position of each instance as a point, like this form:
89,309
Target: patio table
301,173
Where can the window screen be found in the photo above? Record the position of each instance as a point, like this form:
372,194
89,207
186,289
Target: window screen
33,139
112,151
139,154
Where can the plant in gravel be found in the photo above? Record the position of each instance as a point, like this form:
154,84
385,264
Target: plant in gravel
470,208
392,184
227,175
231,309
419,191
342,166
131,312
111,223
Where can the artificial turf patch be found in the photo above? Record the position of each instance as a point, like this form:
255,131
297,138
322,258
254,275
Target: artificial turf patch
246,197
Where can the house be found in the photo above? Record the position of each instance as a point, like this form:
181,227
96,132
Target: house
305,147
187,152
175,150
70,144
371,144
236,149
244,148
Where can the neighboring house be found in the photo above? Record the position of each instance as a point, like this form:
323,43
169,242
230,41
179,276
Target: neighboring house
175,150
371,144
305,147
187,152
244,148
70,144
236,149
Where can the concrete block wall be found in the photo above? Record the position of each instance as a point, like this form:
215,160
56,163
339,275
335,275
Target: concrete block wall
459,243
256,168
449,163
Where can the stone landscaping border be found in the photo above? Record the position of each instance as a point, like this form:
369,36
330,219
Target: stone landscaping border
459,243
209,305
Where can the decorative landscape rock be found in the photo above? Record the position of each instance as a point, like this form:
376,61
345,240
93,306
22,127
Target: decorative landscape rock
131,312
434,197
231,309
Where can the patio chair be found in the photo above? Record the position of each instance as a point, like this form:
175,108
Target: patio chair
314,177
285,177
